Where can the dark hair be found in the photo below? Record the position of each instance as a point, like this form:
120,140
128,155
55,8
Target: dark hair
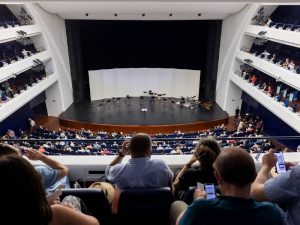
140,143
6,149
206,152
236,166
23,197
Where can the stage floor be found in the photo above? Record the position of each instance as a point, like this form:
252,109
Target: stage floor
128,112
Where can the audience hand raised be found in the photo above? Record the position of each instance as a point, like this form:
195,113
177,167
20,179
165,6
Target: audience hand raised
33,154
125,147
269,159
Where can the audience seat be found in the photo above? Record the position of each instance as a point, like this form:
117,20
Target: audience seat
95,202
145,206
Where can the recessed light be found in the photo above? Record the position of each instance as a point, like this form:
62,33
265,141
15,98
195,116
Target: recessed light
170,14
143,14
116,14
199,14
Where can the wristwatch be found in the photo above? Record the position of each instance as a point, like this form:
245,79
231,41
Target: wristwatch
188,165
121,154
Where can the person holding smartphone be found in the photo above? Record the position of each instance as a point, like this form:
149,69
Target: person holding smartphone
205,153
283,189
235,171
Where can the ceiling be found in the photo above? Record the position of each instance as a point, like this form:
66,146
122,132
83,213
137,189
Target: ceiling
147,9
168,10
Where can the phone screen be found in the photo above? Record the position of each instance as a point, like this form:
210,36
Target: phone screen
210,191
280,165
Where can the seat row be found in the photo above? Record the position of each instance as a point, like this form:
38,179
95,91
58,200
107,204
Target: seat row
136,206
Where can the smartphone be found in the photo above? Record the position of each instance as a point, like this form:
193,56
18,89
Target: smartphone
280,164
210,191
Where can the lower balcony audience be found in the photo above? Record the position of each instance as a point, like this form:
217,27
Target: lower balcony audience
235,171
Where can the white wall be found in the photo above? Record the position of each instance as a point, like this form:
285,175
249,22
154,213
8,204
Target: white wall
233,28
54,34
120,82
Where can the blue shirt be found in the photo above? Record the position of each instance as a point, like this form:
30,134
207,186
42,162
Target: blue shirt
140,173
50,178
285,189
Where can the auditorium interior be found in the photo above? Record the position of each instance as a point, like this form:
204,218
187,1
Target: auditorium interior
98,72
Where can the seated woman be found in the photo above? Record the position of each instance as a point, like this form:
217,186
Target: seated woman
24,199
205,153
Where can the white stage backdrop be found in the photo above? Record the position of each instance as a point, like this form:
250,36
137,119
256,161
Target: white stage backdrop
110,83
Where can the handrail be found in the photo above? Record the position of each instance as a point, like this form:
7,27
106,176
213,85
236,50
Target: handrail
153,139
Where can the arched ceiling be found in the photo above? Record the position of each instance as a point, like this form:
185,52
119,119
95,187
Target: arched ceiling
143,10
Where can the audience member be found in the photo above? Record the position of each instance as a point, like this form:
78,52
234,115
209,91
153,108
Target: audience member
31,124
141,171
24,199
53,175
282,189
234,171
205,153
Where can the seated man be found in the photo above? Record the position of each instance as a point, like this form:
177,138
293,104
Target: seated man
53,174
141,171
282,189
234,171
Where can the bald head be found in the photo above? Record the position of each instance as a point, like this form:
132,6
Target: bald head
235,166
140,144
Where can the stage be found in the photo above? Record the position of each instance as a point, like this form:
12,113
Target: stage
143,114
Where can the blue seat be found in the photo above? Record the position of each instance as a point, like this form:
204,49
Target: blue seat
286,102
145,206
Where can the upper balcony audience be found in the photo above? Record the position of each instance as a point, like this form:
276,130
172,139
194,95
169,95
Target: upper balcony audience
284,189
235,171
279,54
